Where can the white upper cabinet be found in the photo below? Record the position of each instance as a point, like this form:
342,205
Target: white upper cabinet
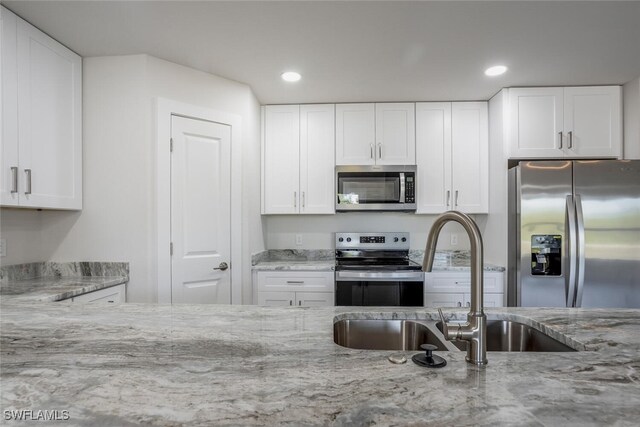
470,156
317,159
452,157
281,155
593,121
298,159
433,155
536,122
395,134
9,195
370,134
573,122
47,171
355,134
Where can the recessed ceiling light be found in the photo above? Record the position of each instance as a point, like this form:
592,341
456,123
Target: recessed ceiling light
495,70
291,76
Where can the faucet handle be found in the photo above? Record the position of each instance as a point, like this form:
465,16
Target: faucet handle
445,327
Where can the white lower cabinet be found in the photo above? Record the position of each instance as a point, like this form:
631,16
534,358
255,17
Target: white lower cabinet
453,289
301,288
112,295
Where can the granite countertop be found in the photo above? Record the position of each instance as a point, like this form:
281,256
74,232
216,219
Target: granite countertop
324,260
56,281
246,365
57,288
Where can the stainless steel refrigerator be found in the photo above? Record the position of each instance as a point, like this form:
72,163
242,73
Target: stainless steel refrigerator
574,233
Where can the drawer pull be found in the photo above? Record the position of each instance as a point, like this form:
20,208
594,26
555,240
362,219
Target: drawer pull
14,179
295,282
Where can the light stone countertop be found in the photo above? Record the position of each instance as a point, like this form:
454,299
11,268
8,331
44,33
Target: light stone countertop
56,288
201,365
323,260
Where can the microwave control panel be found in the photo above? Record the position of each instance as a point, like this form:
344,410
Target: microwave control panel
410,189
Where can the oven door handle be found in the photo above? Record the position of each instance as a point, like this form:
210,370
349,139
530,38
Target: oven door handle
395,276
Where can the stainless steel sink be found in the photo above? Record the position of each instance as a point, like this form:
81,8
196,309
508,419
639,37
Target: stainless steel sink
386,334
505,335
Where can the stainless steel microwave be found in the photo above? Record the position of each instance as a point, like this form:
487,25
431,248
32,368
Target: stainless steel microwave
375,188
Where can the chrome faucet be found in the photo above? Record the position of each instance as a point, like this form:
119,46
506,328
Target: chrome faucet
474,331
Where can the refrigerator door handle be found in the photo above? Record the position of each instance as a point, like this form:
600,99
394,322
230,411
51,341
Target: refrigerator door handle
581,255
572,249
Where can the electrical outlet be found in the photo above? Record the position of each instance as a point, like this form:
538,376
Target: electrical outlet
299,239
454,239
3,247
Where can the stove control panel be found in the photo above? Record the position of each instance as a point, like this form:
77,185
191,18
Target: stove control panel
372,239
380,241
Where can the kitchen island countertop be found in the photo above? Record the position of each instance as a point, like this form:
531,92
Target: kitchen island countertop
247,365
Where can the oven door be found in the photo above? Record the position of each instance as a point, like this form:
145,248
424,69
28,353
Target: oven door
380,188
385,289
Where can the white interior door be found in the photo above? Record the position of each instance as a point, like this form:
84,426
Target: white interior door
200,211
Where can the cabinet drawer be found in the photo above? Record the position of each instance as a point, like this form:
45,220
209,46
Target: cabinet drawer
313,281
457,282
112,295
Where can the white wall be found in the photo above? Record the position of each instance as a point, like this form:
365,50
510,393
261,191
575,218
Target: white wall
118,219
631,96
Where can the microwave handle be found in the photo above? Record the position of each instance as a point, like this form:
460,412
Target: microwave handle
402,198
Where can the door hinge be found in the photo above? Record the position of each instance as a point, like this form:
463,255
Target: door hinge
171,248
171,145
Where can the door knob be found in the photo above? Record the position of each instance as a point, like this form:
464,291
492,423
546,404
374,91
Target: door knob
223,266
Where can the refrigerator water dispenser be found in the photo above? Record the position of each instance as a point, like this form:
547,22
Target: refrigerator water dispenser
546,255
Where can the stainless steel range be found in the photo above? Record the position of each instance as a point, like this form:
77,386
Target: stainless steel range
374,269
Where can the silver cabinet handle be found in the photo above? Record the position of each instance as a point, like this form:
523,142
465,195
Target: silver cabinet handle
295,199
14,179
379,150
560,134
28,172
295,282
468,304
371,150
299,302
303,203
223,266
455,202
448,197
290,302
570,139
459,304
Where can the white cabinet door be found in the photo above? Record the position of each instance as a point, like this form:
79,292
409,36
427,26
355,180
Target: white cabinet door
536,122
9,195
435,300
433,156
592,121
49,121
317,159
470,157
281,159
315,299
355,134
395,134
276,299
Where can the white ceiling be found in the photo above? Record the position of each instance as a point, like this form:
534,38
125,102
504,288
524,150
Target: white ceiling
362,51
